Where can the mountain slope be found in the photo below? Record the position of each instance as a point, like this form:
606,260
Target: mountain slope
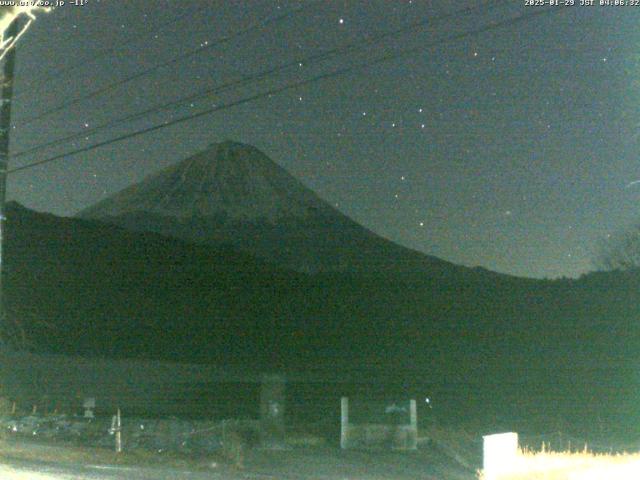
87,288
233,193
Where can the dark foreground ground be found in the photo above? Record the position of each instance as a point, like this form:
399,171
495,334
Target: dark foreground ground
34,461
447,454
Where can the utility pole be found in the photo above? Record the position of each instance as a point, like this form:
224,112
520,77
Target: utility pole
5,130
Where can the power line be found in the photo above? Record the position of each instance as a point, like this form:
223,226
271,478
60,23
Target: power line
177,59
321,56
132,40
274,91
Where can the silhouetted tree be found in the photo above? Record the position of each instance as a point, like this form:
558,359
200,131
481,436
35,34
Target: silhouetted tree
621,252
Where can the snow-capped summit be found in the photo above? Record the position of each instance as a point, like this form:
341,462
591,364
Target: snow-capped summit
230,179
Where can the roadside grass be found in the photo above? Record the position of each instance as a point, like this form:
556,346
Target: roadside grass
585,465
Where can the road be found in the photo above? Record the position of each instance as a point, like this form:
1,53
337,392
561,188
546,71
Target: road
41,471
313,463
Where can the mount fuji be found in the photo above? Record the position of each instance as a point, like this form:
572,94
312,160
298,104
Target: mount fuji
234,194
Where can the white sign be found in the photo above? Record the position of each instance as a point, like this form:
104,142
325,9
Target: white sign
500,454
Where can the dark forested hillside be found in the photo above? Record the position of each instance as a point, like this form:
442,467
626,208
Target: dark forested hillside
80,287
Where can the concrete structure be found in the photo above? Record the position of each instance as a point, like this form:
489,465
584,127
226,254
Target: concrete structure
344,423
272,411
397,435
89,406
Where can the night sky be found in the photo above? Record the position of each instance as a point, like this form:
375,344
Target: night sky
512,149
